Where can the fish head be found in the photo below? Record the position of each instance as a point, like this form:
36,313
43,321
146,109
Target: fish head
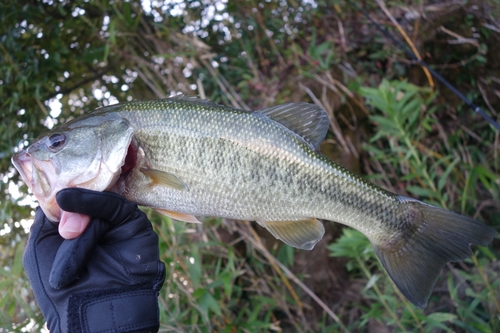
87,153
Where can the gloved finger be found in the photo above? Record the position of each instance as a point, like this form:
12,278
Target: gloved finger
137,243
160,277
43,237
42,246
41,226
104,205
72,225
74,253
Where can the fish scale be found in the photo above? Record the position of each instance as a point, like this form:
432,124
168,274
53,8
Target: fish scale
186,157
288,172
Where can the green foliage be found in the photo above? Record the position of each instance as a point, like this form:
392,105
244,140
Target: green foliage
12,302
402,121
316,52
209,285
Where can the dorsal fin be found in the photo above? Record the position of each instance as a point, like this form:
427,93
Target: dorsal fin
307,120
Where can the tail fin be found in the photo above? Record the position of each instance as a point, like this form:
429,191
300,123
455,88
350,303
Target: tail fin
437,236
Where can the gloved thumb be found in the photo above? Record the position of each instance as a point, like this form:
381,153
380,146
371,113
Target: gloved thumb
116,209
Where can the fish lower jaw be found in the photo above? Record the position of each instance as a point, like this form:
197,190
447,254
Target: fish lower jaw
52,211
22,162
48,202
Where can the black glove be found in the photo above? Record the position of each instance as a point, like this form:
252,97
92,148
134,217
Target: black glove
107,279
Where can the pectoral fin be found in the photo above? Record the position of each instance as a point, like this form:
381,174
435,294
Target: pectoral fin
163,178
300,234
178,216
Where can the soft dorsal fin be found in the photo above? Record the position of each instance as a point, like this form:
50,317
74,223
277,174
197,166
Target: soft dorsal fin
299,234
307,120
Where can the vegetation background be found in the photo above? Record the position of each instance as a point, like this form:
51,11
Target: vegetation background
390,121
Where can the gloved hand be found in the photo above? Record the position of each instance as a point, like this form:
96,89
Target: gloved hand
107,279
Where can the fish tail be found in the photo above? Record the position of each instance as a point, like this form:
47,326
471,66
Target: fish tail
432,237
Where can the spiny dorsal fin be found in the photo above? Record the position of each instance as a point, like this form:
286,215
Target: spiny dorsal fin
162,178
300,234
307,120
178,216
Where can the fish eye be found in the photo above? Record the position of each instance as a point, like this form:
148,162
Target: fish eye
56,141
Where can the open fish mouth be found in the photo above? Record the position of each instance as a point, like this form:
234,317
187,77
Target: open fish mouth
133,158
34,173
38,181
24,164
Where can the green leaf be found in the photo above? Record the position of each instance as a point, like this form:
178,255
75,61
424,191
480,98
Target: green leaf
207,301
441,316
385,123
106,53
199,292
373,279
446,173
228,283
488,253
112,32
422,192
351,244
286,255
322,47
411,108
17,268
194,268
486,176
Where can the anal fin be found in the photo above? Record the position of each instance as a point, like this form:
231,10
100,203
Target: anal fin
178,216
302,234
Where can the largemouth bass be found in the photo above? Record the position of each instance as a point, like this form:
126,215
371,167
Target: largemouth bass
186,157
